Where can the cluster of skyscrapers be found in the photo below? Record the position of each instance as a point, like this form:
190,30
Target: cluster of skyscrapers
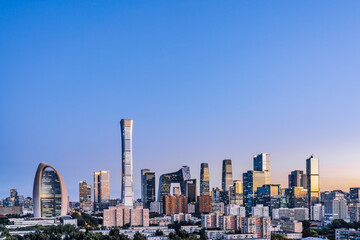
50,195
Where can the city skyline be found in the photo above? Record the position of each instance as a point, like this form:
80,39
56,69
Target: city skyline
193,81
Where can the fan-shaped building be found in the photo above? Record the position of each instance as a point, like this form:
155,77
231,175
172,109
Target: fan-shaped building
49,192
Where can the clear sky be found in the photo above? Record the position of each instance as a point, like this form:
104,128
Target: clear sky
202,80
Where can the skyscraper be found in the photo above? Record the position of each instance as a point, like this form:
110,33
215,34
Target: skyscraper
297,178
49,192
127,181
166,180
252,180
204,179
236,193
262,162
85,196
149,189
190,190
143,171
313,184
227,179
101,190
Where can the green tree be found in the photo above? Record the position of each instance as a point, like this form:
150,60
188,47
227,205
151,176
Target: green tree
139,236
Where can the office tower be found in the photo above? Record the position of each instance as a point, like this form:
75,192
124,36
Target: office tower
236,193
204,204
355,194
14,197
313,184
296,197
127,181
143,171
85,196
251,181
216,195
149,189
175,204
49,192
168,179
335,206
190,190
227,179
204,179
299,214
262,163
297,178
101,190
268,195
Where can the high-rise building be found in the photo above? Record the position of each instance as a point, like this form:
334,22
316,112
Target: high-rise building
268,195
252,180
85,196
204,204
101,190
297,178
119,216
49,193
317,212
149,188
127,181
204,179
168,179
262,163
143,171
296,197
313,184
190,190
227,178
236,193
175,204
355,194
335,206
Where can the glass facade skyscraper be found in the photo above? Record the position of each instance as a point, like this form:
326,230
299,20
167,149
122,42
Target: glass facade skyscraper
297,178
167,179
190,190
143,171
49,193
101,190
262,162
204,179
149,189
252,180
85,195
313,184
227,178
127,181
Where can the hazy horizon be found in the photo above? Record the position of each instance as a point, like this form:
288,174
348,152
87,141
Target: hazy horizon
203,81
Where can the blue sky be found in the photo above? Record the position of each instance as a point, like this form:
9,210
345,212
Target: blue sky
203,81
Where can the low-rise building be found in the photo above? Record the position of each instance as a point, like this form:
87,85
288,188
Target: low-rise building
119,216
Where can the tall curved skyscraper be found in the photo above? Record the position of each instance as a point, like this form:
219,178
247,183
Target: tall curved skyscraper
227,178
204,179
127,181
49,193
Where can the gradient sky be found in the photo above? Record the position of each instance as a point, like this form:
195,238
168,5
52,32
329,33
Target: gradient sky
202,80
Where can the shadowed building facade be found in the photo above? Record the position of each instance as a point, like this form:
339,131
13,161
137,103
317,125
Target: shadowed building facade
227,178
127,181
49,192
204,179
148,187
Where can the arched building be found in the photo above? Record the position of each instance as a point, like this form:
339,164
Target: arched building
49,192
